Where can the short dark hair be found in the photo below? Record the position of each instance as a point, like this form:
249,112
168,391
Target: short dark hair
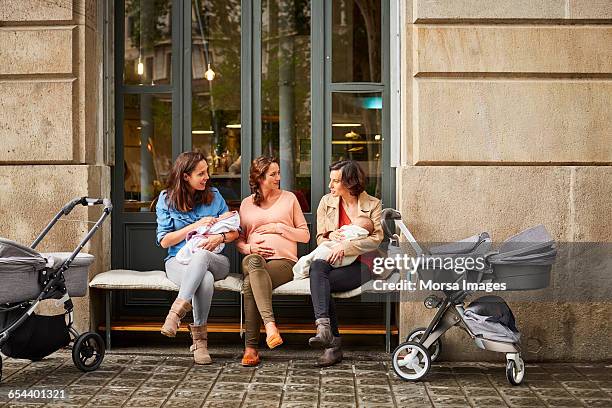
353,176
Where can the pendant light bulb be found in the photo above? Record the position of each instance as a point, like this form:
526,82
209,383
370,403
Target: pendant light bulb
209,74
140,67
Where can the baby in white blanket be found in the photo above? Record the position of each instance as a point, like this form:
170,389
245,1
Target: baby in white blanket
361,228
229,221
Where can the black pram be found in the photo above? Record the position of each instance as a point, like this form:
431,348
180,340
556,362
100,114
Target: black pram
29,277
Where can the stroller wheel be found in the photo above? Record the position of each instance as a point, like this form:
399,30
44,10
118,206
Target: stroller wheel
411,361
88,352
434,349
515,370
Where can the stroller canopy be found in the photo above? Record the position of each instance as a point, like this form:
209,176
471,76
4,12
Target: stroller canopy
533,246
16,258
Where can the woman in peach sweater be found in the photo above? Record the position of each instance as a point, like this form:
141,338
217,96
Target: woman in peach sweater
272,224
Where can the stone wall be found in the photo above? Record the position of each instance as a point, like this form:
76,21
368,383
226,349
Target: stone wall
50,142
508,124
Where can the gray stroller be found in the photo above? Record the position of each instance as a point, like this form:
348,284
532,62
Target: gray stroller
29,277
522,262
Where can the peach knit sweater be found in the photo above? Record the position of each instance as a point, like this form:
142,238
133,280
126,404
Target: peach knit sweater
290,223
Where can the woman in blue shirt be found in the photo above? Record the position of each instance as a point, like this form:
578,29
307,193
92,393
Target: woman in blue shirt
188,203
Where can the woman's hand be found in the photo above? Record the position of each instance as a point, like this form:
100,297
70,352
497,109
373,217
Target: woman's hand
257,248
211,242
337,254
267,229
206,222
336,235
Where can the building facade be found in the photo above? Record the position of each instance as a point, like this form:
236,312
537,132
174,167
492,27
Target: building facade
466,116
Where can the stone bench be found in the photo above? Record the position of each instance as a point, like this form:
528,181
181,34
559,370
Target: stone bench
124,279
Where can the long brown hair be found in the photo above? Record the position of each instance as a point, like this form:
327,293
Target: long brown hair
259,168
179,195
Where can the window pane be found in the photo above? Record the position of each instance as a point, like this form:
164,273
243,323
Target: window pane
356,134
147,147
285,92
215,109
148,42
356,46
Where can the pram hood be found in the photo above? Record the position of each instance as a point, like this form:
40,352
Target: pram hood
16,258
533,246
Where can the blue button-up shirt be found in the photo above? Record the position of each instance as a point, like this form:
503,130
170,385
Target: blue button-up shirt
170,219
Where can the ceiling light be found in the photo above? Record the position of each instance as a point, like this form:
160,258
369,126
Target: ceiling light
346,124
209,74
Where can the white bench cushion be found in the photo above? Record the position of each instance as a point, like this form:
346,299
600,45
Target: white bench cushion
152,280
157,280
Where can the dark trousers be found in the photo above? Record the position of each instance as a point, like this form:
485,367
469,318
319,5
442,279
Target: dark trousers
324,280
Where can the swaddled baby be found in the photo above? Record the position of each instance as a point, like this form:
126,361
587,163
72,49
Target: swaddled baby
229,221
361,228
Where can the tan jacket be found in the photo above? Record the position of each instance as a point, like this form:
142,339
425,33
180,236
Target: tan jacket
328,217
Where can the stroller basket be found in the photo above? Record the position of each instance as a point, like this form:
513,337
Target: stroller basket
524,261
20,268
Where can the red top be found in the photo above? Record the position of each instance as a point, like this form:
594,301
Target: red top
343,219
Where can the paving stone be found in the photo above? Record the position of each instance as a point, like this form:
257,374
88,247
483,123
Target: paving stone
590,402
412,401
562,402
224,395
335,405
292,404
264,396
108,400
482,402
524,402
337,389
374,399
480,392
596,394
302,380
222,404
183,403
306,388
449,400
338,381
338,398
373,381
146,392
192,393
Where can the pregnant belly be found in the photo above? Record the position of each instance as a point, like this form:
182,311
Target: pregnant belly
281,245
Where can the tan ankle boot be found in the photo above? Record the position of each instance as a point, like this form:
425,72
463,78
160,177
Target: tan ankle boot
200,344
178,310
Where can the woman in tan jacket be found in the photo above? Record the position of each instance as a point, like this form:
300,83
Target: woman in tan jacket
346,201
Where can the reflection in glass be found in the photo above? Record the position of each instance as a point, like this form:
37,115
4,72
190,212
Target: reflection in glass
148,42
356,36
356,134
285,92
215,31
147,147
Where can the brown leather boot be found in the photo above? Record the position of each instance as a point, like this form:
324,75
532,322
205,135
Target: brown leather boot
178,310
332,355
199,334
324,335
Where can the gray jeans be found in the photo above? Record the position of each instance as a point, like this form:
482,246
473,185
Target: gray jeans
196,280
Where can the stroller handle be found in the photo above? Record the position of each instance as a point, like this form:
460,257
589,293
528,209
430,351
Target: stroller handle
67,209
87,201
